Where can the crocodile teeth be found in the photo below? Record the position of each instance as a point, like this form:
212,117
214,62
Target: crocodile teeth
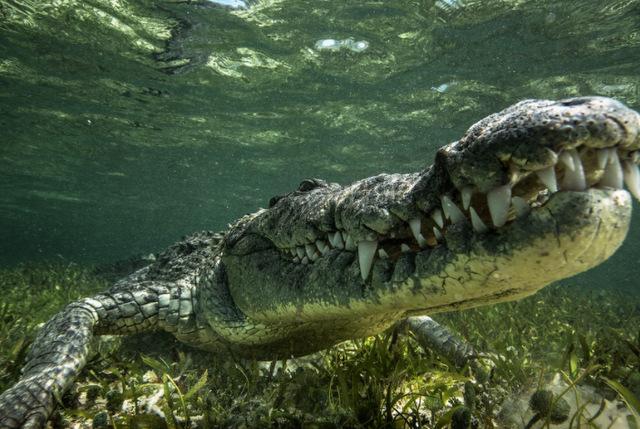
613,172
499,200
310,250
466,197
416,225
603,155
451,210
404,248
296,259
521,206
349,244
548,177
567,159
337,240
382,254
478,224
366,252
437,234
437,217
632,178
305,260
574,179
300,252
323,248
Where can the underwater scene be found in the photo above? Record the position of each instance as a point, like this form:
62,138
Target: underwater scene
319,214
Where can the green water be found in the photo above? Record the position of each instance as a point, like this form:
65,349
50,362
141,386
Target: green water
127,124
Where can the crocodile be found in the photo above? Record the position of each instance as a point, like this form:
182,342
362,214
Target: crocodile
529,195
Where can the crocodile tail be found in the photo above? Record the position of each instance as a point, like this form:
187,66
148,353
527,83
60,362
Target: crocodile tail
62,346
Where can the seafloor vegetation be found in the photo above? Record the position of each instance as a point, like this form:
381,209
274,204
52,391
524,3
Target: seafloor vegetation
582,336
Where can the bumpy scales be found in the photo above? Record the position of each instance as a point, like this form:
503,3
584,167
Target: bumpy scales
527,196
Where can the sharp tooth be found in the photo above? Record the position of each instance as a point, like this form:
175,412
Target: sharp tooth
296,259
382,254
436,215
499,200
366,252
321,245
305,260
415,224
478,224
521,206
567,160
451,210
548,177
552,156
574,179
300,252
337,241
632,178
437,234
309,250
349,244
612,176
404,248
603,155
331,236
466,193
635,157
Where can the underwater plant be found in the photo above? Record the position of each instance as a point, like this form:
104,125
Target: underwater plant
376,382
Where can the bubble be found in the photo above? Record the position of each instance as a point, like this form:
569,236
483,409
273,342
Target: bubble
234,4
359,46
328,44
334,45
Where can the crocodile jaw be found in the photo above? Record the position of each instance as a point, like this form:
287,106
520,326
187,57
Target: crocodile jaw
571,233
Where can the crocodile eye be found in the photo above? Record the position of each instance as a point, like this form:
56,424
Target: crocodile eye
274,200
308,184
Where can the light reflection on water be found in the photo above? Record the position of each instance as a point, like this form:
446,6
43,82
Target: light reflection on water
126,127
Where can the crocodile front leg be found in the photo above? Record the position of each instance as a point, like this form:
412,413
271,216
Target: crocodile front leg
61,348
434,336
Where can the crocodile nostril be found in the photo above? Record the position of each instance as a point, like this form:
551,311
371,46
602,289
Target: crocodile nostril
576,101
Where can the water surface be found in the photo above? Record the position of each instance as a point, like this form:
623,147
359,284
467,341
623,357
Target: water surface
127,124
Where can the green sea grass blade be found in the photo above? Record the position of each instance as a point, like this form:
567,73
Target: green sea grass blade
196,387
629,398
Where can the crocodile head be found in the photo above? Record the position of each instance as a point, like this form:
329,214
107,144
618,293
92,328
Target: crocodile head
527,196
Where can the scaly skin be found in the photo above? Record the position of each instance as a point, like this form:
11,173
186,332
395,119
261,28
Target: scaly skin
281,282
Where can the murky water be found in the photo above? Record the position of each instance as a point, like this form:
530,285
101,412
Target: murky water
126,124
